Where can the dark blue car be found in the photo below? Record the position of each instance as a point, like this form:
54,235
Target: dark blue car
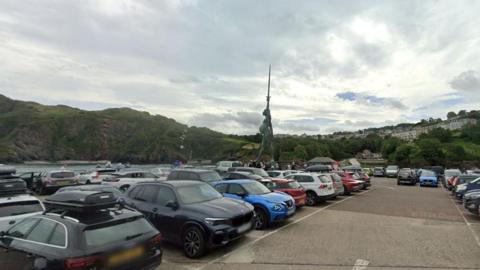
269,206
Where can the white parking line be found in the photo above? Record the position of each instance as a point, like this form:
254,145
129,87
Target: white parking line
277,230
469,225
360,264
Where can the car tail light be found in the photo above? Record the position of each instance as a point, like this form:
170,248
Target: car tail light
82,262
322,186
156,240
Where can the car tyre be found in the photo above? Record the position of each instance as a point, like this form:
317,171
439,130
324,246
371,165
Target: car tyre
261,220
88,182
40,189
346,192
194,245
311,199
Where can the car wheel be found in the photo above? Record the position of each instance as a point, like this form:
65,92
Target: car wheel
40,189
346,191
311,199
193,242
88,182
261,221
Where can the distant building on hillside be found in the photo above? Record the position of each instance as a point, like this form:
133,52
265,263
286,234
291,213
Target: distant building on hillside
321,161
450,124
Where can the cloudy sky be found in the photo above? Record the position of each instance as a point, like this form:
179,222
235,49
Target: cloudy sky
336,65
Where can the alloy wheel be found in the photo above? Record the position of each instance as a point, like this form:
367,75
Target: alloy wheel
192,243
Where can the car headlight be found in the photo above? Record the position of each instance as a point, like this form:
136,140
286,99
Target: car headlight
277,207
473,196
460,188
216,221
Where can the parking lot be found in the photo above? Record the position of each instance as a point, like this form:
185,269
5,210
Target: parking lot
385,227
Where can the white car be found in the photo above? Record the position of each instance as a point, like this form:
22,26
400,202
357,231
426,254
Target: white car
161,172
123,180
391,171
96,176
17,207
281,174
319,188
223,166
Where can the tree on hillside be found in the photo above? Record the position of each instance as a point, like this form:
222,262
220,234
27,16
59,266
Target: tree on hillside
443,135
431,151
403,155
451,115
462,113
472,133
454,155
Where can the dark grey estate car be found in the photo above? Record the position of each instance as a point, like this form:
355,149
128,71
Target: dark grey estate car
194,174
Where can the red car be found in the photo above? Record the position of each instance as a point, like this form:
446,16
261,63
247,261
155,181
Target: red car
292,188
349,183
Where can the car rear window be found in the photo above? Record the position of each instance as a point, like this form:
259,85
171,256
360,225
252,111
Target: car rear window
19,208
210,177
62,175
273,174
102,172
116,232
325,179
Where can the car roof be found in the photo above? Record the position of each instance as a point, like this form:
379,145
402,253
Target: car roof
18,198
237,181
281,180
93,218
177,183
193,170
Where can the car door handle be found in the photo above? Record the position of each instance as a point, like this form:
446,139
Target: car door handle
11,222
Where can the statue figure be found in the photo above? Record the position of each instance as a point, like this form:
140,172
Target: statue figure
266,128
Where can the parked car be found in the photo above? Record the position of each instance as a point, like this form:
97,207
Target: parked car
428,178
391,171
48,182
161,172
123,180
29,178
450,174
406,175
337,183
223,166
207,176
319,168
368,171
292,188
258,171
280,174
269,206
81,231
96,176
460,183
15,202
379,171
471,202
246,175
353,169
319,188
191,214
349,183
469,185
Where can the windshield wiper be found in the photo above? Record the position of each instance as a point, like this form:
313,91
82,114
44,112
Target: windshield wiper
130,237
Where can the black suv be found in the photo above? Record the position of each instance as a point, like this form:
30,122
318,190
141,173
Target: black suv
258,171
81,230
406,175
208,176
191,214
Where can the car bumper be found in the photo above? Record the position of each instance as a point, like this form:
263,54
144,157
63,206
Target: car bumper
391,174
300,200
327,197
149,263
224,236
459,195
407,180
429,183
280,216
472,206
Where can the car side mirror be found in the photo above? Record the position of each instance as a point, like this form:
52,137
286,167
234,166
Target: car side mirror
172,204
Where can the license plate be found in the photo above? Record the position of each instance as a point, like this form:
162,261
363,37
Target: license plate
245,227
125,256
62,183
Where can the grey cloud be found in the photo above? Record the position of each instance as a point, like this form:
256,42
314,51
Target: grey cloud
229,122
466,81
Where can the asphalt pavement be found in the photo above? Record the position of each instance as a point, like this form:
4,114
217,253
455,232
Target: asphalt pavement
385,227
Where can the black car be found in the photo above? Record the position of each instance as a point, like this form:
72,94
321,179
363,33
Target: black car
194,174
258,171
81,230
191,214
406,175
29,178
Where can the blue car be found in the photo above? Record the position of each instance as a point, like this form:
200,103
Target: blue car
428,178
269,206
468,187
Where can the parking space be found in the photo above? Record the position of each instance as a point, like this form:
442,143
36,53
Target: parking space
387,227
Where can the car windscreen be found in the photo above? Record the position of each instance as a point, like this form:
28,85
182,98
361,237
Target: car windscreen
20,208
102,172
255,188
428,173
236,164
110,233
392,168
273,174
290,185
210,176
62,175
260,172
197,193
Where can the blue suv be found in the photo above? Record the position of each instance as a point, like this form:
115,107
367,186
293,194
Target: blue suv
269,206
428,178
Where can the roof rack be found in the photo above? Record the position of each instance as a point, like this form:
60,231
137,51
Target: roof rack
81,201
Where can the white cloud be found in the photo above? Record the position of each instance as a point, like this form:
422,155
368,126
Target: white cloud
205,63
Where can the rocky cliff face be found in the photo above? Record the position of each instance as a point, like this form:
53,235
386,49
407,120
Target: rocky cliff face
30,131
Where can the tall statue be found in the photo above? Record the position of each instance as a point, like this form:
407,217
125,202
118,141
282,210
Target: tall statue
266,128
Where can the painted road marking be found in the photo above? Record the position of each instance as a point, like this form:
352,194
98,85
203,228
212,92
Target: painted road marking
360,264
469,225
277,230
